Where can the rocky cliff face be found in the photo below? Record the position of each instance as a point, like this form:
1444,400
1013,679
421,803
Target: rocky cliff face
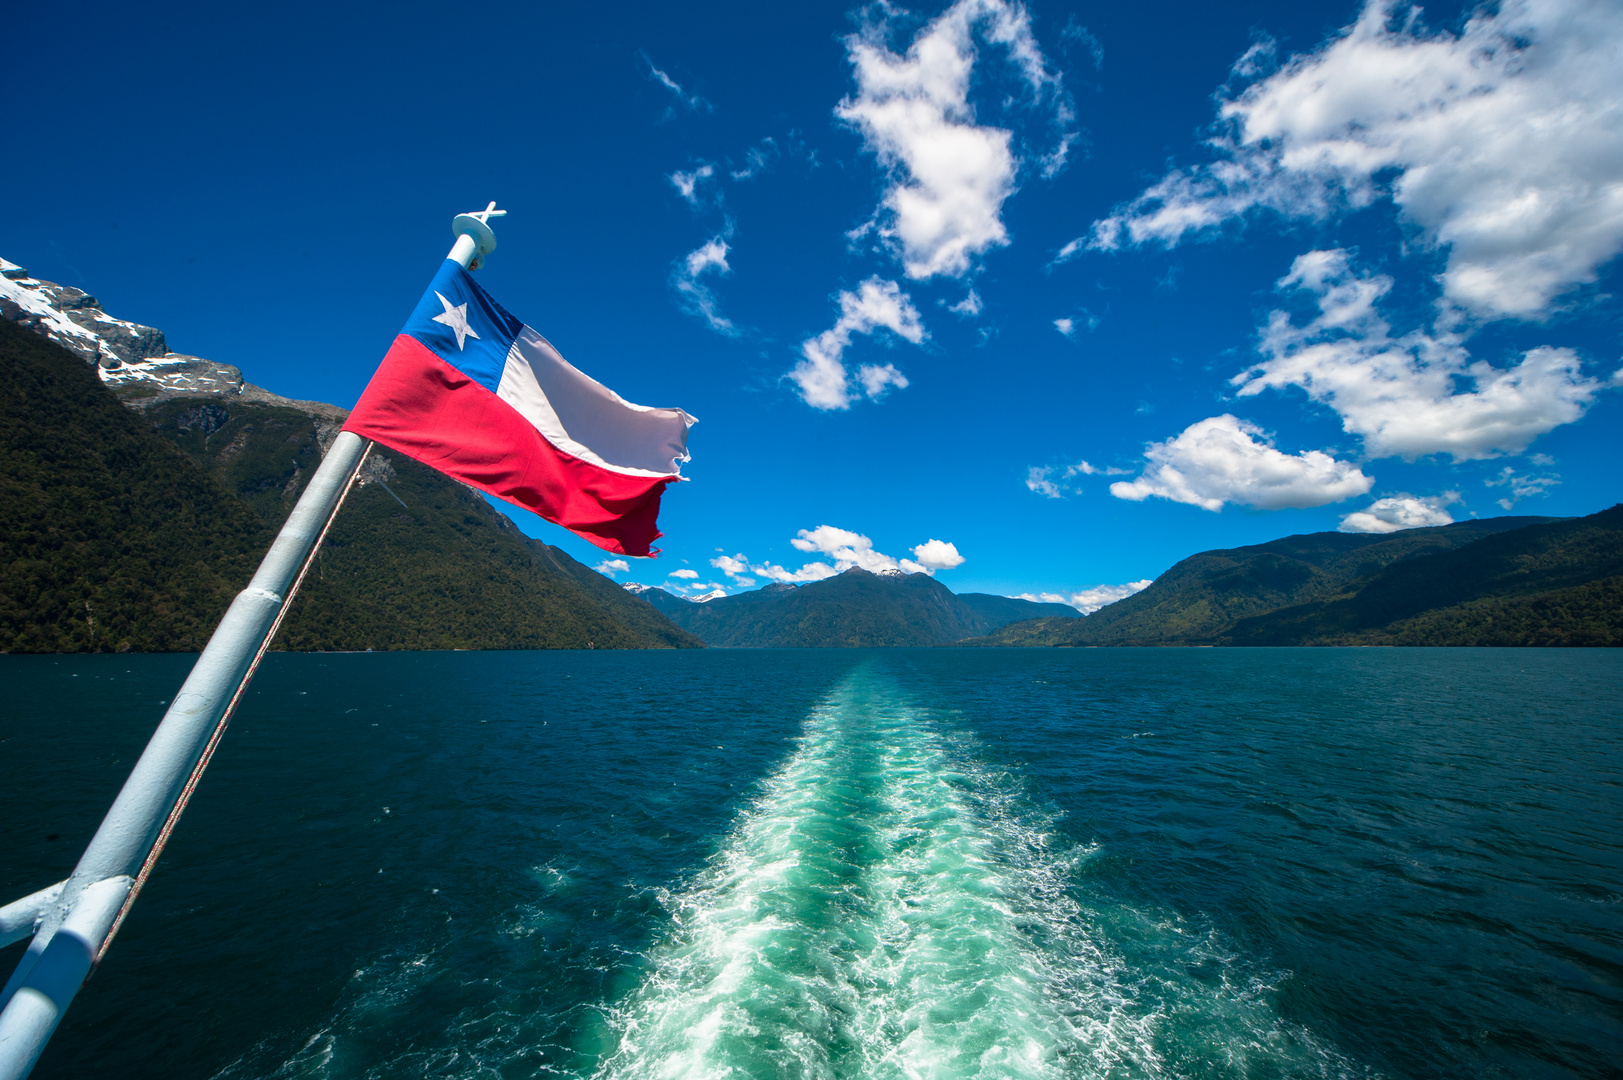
132,360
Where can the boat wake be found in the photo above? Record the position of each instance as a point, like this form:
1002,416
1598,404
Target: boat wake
890,907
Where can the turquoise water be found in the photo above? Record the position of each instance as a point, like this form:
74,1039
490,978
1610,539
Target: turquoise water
844,864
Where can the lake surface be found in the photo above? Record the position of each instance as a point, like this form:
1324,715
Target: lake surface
851,864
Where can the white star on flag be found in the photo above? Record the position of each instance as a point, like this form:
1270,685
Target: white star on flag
456,317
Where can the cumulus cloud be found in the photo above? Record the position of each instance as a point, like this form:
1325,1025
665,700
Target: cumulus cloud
1400,511
684,101
1502,146
1400,393
846,549
1223,459
1522,485
1087,601
821,374
1066,327
936,555
690,574
948,175
969,306
731,565
694,294
611,567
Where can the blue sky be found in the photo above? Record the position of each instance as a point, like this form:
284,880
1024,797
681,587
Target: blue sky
1040,298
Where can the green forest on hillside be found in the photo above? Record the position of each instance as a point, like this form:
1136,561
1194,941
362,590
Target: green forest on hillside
1498,581
110,539
125,529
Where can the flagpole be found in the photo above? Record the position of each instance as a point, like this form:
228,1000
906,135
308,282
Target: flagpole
75,920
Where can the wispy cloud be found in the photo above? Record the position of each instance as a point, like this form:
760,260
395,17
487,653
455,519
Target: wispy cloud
1056,481
683,101
690,184
1522,485
821,374
693,294
610,567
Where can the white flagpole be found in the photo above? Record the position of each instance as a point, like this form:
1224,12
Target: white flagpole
73,922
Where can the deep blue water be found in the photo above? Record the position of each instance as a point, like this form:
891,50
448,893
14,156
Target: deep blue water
842,864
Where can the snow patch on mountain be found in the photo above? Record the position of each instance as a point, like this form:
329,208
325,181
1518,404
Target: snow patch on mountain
132,359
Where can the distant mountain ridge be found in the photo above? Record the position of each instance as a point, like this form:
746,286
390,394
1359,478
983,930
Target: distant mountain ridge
138,489
853,609
1495,581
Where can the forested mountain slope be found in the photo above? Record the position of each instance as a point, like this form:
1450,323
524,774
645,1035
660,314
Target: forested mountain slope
1496,581
853,609
130,528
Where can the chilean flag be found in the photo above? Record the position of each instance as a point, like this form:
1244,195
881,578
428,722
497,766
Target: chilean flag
469,390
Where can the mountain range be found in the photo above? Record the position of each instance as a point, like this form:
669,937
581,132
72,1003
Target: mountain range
855,608
1497,581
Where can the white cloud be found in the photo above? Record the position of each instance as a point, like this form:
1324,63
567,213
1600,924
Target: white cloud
758,159
1502,145
875,378
948,175
1087,601
1038,480
1048,480
936,555
688,183
694,295
690,574
1066,327
1522,486
847,549
684,100
812,571
1223,459
1400,511
731,565
821,375
612,567
969,305
1399,394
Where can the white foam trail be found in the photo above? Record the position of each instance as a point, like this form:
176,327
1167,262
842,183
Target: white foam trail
886,908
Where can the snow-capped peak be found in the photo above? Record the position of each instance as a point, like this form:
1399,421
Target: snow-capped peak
126,354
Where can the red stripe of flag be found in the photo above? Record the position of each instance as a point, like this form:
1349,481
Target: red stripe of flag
428,410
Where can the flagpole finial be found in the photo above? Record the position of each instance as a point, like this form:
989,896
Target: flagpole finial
475,239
